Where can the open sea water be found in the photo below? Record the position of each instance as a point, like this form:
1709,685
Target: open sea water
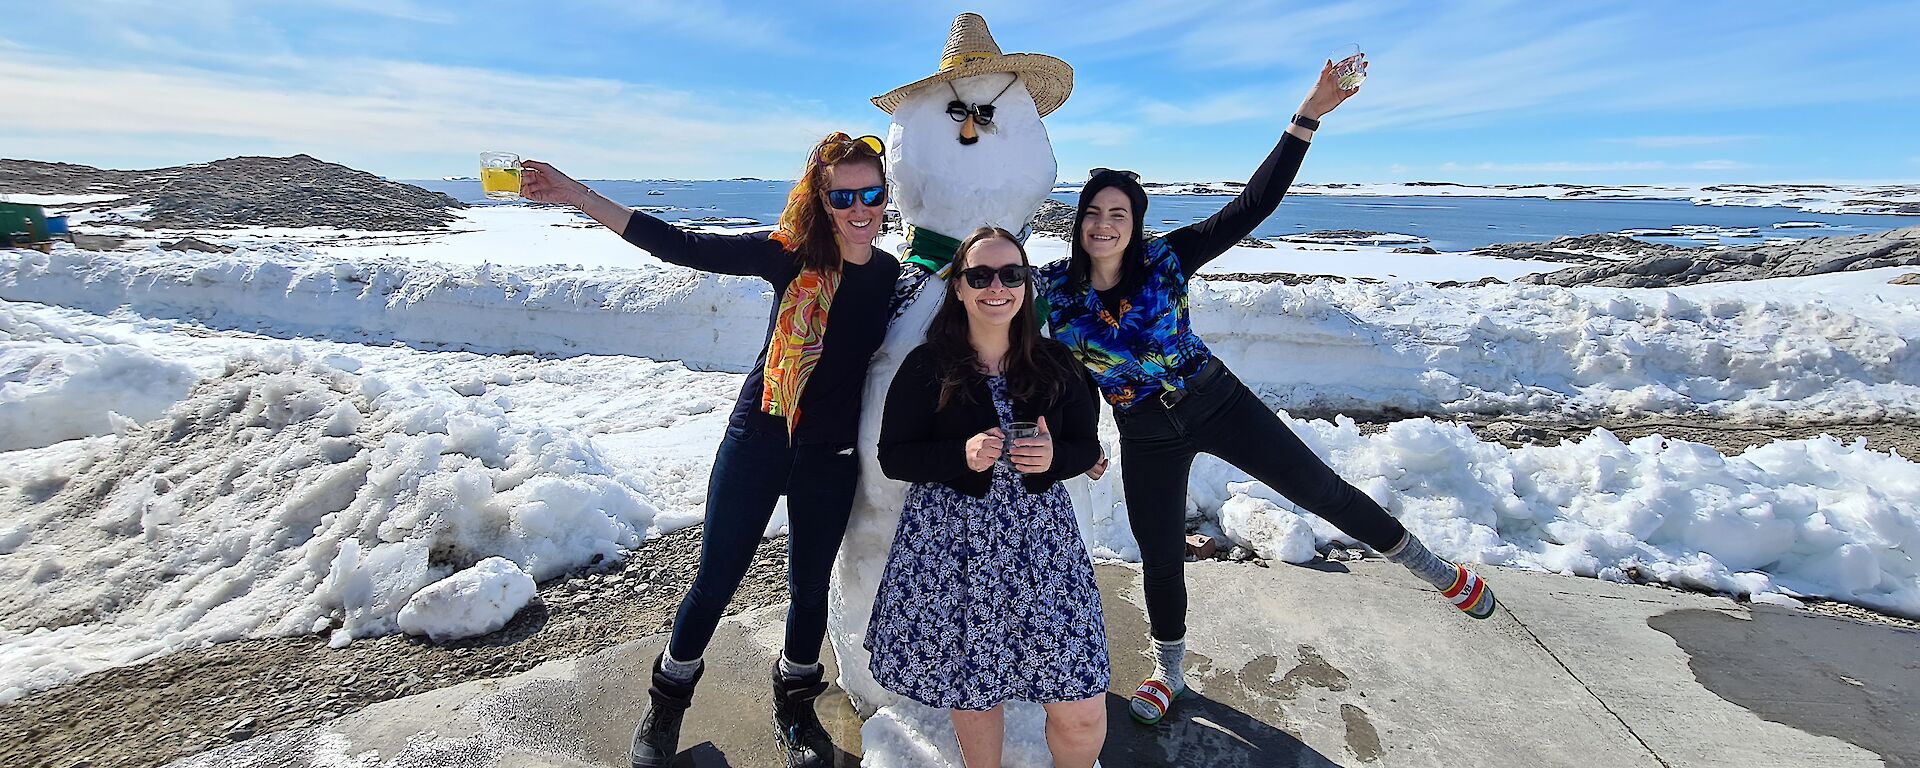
1446,223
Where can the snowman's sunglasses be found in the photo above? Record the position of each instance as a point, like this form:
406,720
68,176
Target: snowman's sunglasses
982,114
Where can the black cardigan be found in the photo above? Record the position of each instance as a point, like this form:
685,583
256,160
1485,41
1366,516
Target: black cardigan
920,444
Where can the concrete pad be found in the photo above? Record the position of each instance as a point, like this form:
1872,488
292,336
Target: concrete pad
1340,664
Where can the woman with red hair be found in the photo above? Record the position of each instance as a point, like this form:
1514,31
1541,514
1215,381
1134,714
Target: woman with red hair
793,427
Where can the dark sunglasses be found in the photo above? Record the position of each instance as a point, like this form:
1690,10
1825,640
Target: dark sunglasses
1011,276
1098,172
982,114
842,199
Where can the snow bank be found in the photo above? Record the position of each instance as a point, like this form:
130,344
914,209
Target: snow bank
1802,518
58,382
288,290
287,496
1502,348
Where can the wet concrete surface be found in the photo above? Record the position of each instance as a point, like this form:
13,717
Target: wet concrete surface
1360,666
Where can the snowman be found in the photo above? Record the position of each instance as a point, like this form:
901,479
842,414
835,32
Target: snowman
966,149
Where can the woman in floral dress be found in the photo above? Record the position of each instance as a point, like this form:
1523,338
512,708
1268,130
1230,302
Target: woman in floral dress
988,594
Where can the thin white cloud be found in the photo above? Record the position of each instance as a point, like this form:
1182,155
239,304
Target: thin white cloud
404,118
1679,142
1482,62
1593,167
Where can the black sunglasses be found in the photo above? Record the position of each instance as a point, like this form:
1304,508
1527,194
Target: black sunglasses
842,199
982,114
1098,172
1011,276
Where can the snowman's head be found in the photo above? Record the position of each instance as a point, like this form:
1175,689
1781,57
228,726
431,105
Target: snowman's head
953,187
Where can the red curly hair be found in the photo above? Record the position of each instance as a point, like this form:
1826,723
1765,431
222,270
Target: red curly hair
806,228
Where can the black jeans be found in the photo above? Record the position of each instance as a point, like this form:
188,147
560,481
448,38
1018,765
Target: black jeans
751,471
1220,416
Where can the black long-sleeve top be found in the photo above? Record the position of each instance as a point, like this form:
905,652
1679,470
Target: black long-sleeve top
922,443
856,323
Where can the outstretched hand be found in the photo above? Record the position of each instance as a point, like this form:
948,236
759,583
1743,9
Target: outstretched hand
544,183
1326,94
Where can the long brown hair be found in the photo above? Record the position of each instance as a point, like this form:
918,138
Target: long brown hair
806,228
1031,375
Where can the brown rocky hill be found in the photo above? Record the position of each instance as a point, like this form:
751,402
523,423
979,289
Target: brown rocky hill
297,191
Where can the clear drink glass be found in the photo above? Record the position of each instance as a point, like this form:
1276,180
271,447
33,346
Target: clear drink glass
500,175
1349,66
1019,430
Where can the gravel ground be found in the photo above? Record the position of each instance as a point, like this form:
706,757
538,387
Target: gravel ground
189,702
186,703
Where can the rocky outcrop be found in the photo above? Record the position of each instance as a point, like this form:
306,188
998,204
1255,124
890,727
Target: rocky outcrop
1686,266
1583,249
297,191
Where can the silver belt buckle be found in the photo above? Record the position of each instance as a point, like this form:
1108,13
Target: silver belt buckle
1171,397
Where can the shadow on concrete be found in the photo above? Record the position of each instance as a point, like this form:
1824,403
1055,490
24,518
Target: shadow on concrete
1849,680
1324,565
1200,731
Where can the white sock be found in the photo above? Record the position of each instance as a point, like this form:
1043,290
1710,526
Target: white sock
1167,656
1166,662
680,671
792,671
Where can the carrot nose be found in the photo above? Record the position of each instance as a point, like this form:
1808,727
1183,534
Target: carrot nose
969,133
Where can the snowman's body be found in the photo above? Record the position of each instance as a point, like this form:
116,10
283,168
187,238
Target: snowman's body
946,187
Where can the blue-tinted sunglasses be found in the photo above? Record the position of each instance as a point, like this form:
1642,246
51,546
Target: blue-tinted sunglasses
842,199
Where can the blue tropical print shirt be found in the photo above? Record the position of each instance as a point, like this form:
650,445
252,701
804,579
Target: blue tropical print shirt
1143,347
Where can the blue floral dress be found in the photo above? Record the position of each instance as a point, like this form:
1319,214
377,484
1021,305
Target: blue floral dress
988,600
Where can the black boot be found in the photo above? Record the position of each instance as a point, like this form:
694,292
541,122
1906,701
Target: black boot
657,740
794,722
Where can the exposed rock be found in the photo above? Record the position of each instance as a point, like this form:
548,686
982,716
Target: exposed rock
1425,249
1910,278
1578,250
196,244
1682,266
297,191
1053,218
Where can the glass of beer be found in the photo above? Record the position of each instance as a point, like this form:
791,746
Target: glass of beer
500,175
1349,66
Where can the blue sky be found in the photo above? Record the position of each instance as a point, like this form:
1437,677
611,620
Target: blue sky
1483,91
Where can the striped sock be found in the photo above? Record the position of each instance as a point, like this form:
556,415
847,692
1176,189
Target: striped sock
680,671
1151,702
1464,588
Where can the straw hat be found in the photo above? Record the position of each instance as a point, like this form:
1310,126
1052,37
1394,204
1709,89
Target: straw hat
971,51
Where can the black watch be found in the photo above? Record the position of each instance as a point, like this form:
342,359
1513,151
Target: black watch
1306,122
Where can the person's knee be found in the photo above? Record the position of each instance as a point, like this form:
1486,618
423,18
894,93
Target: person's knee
1080,722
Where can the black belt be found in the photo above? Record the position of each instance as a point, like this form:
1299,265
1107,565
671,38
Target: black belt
1168,398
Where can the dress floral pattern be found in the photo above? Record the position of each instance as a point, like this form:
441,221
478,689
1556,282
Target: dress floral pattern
989,600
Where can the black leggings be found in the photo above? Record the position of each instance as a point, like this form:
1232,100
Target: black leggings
751,471
1221,416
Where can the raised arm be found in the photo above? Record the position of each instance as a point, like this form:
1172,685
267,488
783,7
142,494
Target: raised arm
749,254
1197,244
